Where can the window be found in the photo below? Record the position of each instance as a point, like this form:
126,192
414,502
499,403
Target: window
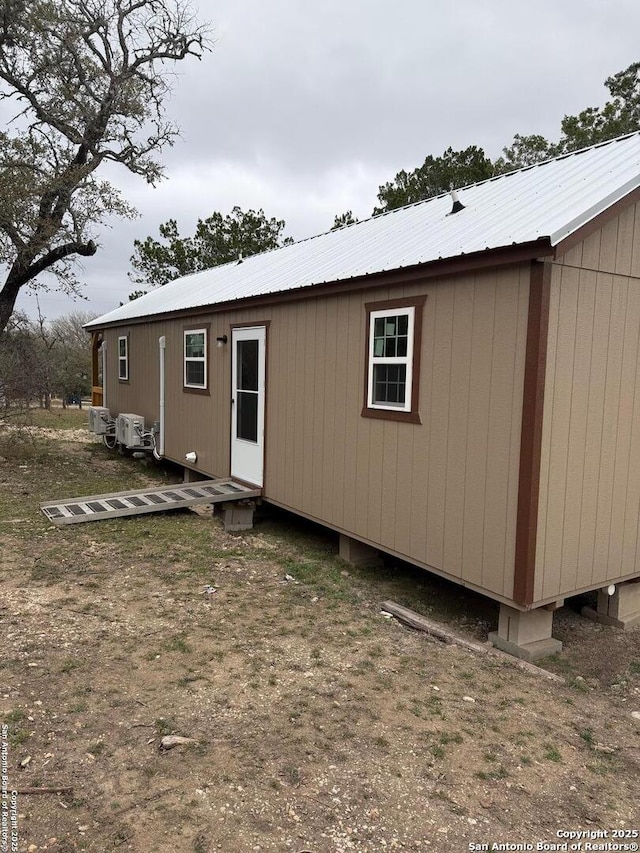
123,358
393,359
195,358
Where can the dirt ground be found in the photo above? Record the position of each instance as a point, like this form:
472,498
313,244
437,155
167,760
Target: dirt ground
318,724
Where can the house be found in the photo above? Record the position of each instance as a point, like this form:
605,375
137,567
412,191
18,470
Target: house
456,384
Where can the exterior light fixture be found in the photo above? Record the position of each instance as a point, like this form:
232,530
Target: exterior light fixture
221,340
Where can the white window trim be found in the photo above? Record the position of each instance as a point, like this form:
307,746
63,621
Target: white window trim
198,359
407,360
123,360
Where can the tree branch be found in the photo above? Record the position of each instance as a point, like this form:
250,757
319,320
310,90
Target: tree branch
21,274
12,233
88,82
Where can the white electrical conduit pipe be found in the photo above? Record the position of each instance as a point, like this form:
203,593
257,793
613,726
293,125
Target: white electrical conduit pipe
158,452
108,440
103,352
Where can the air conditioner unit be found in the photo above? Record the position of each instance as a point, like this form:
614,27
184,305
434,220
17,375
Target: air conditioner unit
99,419
129,430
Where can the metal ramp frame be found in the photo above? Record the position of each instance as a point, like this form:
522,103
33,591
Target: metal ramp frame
140,501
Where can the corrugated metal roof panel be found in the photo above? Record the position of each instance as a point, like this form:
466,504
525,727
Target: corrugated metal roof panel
550,200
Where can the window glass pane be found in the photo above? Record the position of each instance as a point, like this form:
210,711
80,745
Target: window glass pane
195,373
389,359
248,365
390,339
247,415
389,384
122,343
194,345
122,373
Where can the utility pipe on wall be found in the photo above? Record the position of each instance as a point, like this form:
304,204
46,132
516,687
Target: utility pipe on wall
103,352
159,452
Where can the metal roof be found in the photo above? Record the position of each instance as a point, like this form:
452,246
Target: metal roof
550,200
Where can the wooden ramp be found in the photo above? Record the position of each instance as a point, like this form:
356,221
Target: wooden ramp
157,499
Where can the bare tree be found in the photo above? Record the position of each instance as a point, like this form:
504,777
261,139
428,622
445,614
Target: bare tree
39,358
21,374
46,340
87,80
72,357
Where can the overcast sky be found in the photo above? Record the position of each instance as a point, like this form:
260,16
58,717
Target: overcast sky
304,108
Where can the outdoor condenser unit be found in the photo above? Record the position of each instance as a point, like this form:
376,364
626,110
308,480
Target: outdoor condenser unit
99,419
129,430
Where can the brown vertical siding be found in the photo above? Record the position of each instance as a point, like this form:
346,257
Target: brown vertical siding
482,331
635,248
422,438
407,479
458,420
590,460
509,382
432,492
439,406
327,491
193,421
624,248
140,394
442,493
307,448
336,477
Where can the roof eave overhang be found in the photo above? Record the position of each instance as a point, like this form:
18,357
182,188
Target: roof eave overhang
505,255
581,228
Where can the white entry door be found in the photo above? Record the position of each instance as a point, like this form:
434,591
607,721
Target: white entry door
247,403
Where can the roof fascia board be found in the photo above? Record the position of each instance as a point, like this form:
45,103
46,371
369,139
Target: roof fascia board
596,210
405,275
597,222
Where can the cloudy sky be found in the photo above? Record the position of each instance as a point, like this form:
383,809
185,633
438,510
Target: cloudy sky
305,108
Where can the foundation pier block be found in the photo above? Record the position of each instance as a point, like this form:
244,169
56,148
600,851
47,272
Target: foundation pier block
237,516
621,609
357,553
190,476
525,634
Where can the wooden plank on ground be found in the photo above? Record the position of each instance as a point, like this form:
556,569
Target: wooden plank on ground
434,629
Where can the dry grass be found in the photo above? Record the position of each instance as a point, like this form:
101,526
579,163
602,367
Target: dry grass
318,724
